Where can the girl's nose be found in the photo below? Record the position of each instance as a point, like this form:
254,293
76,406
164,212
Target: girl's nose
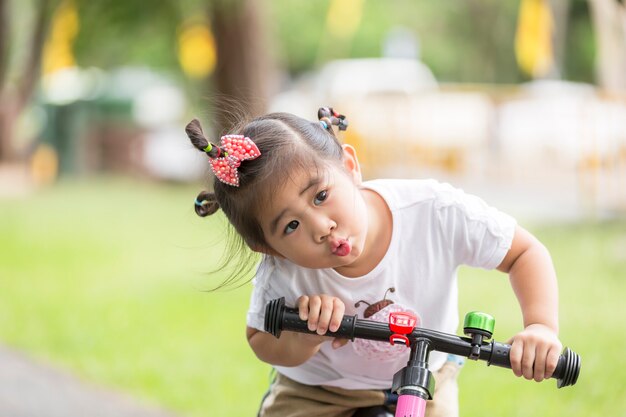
323,228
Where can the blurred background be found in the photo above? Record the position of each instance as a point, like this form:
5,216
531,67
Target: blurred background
105,270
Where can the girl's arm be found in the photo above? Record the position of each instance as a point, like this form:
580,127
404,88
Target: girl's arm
322,312
534,283
291,349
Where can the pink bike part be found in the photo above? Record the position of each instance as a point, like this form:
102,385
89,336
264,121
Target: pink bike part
410,406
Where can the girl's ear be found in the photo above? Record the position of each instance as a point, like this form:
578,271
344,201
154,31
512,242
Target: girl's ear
351,163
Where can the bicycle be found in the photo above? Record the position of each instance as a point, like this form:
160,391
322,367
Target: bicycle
414,383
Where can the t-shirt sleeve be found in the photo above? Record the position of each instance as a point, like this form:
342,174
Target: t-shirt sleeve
262,293
479,235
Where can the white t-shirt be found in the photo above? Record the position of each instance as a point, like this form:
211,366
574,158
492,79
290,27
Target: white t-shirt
436,228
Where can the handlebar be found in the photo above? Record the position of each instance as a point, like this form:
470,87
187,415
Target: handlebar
278,317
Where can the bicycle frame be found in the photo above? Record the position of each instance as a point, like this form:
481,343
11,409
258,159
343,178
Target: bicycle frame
414,383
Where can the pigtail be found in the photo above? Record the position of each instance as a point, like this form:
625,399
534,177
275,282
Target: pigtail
196,135
329,118
206,204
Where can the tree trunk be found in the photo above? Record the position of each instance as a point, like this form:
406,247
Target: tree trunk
4,41
4,64
243,76
560,13
609,23
14,97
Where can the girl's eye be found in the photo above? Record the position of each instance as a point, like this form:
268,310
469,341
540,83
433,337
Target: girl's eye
320,197
291,227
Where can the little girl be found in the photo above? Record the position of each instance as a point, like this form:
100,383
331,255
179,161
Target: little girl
334,245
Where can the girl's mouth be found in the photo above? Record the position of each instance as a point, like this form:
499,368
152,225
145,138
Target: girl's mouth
341,247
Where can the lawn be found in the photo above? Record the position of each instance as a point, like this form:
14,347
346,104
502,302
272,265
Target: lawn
107,278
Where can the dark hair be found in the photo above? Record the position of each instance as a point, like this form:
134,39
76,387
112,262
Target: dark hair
287,143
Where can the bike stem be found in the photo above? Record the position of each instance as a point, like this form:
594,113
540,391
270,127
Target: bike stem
414,383
415,378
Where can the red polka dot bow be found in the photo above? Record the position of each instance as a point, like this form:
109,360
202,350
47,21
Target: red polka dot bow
233,150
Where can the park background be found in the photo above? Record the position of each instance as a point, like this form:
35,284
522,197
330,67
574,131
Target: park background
105,268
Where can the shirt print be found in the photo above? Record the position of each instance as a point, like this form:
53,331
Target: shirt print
379,311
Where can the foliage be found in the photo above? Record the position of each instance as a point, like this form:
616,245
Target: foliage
105,278
129,32
468,41
580,44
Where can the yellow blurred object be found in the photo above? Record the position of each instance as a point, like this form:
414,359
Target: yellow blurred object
58,50
196,50
533,39
344,17
44,166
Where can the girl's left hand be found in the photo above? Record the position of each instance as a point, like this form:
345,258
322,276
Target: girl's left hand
535,352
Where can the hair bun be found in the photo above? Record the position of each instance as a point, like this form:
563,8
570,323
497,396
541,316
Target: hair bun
206,204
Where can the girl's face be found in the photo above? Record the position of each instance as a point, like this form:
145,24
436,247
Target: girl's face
319,219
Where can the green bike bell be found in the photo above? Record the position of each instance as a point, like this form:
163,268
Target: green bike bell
478,322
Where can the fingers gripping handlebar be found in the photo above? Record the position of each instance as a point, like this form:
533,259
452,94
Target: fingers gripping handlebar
278,317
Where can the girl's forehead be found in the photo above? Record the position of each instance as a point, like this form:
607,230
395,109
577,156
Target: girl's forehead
298,182
293,187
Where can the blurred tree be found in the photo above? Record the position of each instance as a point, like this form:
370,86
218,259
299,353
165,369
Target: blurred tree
243,75
469,41
609,18
237,80
130,32
561,16
4,36
20,62
580,47
119,33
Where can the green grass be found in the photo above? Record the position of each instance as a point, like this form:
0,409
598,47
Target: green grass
105,277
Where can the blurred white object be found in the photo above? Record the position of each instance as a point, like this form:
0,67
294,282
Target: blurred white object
396,103
360,77
72,84
354,79
452,119
159,105
527,141
169,155
560,123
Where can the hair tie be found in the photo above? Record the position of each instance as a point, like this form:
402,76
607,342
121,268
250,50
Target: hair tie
199,203
235,149
213,151
331,117
226,158
324,124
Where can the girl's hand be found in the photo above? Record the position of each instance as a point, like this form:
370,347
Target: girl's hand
535,352
323,313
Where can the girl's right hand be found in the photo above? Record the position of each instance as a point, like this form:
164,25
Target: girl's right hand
323,313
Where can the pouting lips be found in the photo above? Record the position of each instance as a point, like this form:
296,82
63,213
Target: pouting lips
342,248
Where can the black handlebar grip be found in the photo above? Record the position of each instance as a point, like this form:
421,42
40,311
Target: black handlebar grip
567,368
279,318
